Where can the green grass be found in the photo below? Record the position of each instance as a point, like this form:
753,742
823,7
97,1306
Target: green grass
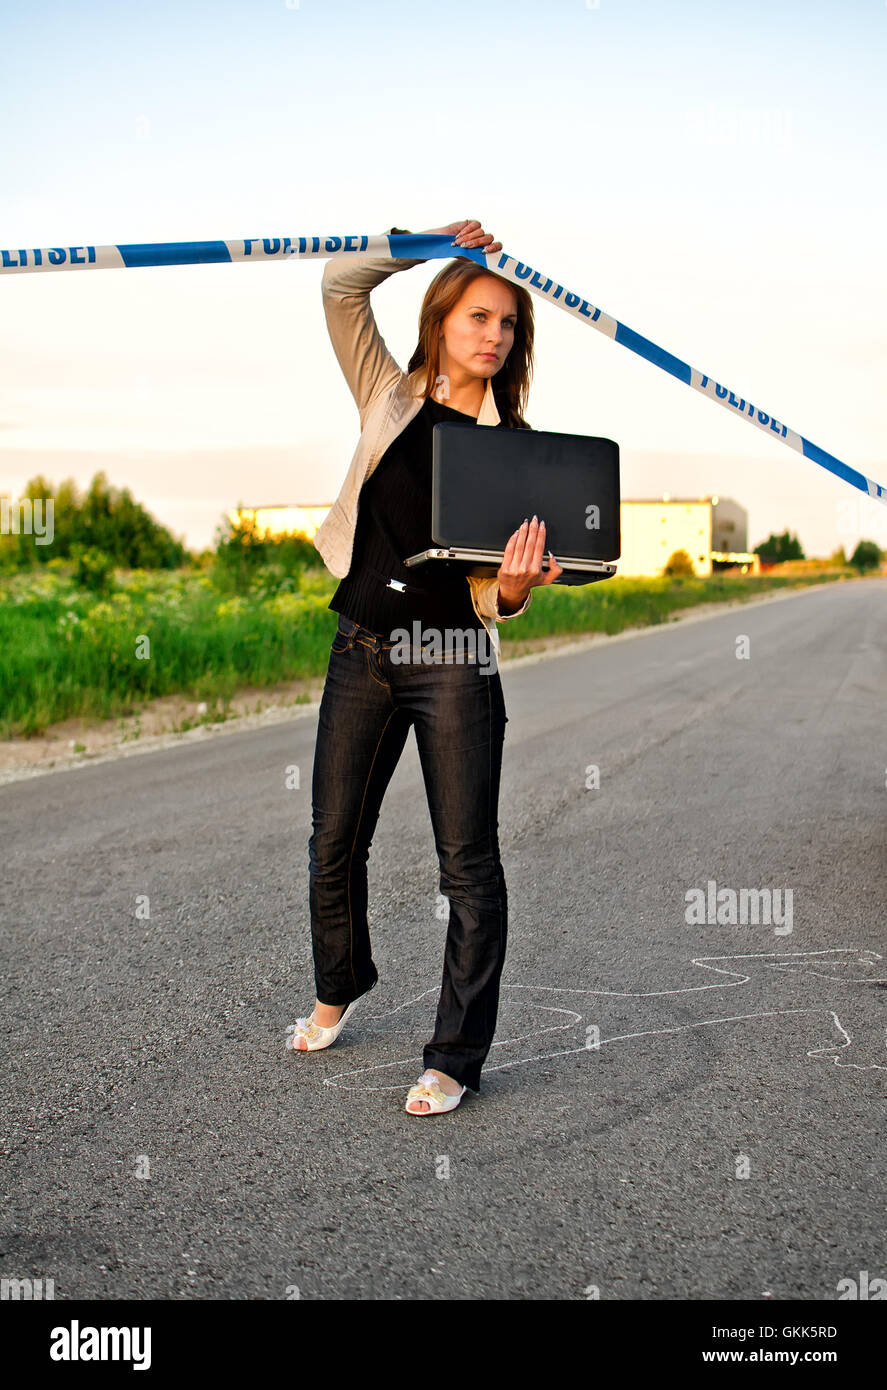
616,604
65,652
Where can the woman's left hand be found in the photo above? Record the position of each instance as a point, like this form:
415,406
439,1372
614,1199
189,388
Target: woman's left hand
521,568
471,235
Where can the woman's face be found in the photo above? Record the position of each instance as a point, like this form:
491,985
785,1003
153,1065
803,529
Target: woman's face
478,332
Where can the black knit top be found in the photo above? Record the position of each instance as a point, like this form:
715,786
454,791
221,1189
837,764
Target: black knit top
394,522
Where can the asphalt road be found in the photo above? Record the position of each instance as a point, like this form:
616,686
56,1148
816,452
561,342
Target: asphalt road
723,1141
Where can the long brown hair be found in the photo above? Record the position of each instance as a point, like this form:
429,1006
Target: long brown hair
511,384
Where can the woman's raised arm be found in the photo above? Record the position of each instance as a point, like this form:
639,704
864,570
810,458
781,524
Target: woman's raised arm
366,362
367,365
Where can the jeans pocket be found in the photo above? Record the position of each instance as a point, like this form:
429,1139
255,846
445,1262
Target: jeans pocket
344,638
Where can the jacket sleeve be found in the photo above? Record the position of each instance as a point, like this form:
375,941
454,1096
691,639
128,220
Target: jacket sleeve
366,362
484,593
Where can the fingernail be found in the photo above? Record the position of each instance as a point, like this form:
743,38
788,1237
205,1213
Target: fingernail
535,517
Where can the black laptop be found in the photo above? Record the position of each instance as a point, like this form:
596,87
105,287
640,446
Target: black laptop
485,481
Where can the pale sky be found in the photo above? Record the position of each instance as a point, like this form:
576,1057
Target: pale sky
706,172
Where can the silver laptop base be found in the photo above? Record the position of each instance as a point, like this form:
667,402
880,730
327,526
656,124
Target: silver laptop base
493,559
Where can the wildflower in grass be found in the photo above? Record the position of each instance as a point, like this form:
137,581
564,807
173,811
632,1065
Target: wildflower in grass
230,607
286,605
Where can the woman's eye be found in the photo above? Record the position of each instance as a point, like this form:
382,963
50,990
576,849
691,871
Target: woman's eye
508,323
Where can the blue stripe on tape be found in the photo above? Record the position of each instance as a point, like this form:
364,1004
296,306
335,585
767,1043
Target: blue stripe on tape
657,355
174,253
418,247
826,460
429,248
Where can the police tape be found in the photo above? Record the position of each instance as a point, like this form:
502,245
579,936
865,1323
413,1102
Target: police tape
423,247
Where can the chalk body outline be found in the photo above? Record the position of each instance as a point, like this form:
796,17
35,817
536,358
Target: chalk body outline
804,962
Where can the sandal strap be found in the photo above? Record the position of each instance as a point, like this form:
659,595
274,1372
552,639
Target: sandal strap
428,1086
308,1027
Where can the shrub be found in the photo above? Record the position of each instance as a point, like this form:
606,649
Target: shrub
866,556
679,564
250,561
94,568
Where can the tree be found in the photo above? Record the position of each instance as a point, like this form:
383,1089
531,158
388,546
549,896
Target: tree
776,549
103,520
866,556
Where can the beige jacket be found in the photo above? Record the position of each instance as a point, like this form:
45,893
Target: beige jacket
387,399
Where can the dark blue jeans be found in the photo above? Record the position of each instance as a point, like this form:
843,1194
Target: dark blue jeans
369,703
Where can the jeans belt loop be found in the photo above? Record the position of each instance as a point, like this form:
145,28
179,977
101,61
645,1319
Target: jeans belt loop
348,628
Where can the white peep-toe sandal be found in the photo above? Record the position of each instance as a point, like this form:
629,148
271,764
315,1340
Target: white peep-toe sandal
315,1037
428,1088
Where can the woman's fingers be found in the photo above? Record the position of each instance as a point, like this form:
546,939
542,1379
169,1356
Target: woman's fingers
510,568
516,546
539,547
510,547
483,243
527,544
462,230
521,567
533,538
554,569
472,236
524,553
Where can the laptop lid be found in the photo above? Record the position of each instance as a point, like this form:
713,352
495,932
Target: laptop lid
485,481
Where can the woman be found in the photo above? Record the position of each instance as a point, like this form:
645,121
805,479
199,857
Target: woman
474,327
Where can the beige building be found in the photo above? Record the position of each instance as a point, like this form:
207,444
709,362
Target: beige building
279,520
711,530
